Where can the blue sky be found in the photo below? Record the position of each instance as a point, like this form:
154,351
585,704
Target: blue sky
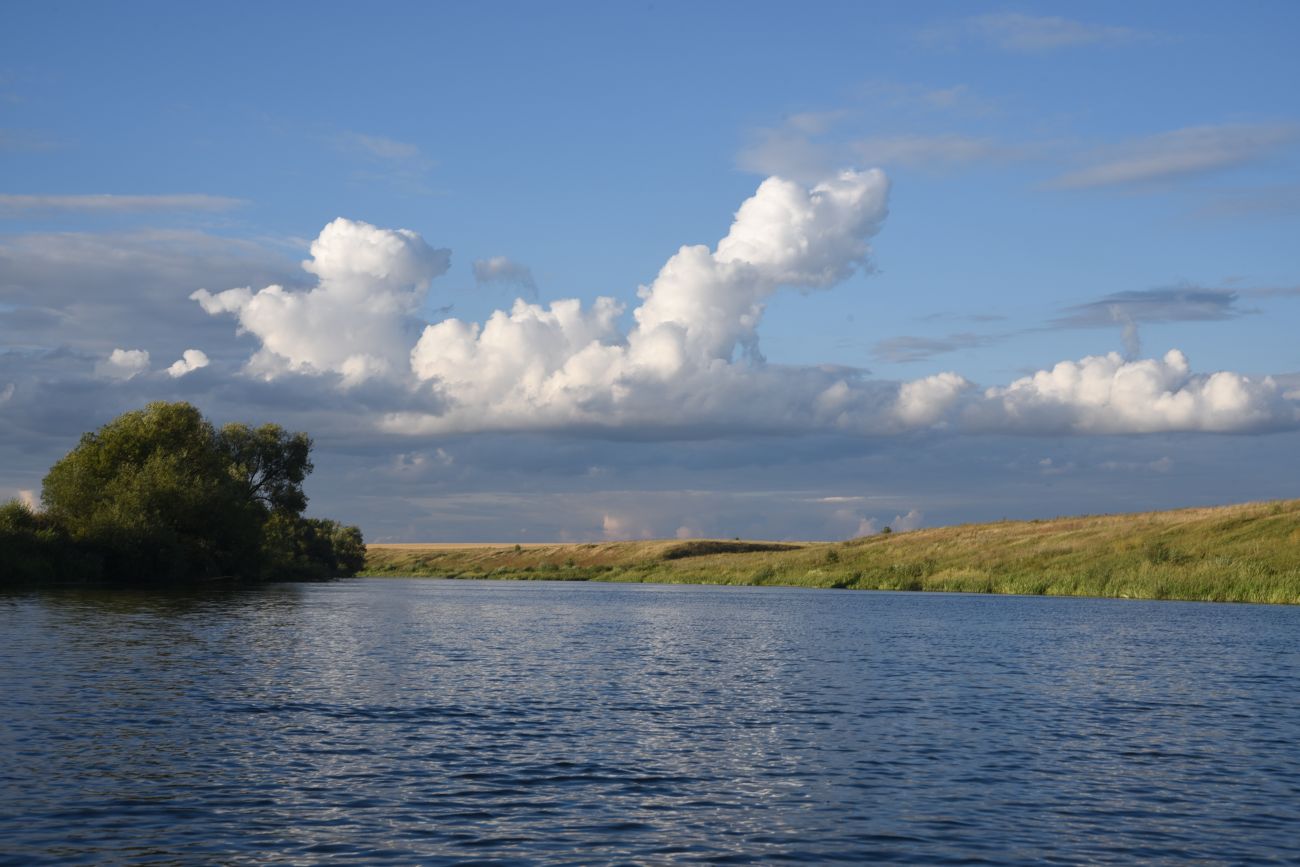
1057,183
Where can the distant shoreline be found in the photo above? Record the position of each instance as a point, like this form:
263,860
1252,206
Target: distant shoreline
1240,553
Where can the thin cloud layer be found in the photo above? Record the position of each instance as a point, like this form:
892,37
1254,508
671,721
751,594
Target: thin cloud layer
11,205
1180,153
688,363
1029,34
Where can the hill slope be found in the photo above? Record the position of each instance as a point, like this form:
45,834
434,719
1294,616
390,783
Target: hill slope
1241,553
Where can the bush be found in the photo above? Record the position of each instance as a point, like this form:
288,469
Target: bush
35,550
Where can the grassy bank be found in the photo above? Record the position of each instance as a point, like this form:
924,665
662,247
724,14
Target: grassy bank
1242,553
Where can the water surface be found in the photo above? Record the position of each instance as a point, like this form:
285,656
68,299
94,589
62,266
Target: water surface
424,721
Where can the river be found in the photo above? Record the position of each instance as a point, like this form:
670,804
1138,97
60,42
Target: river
426,721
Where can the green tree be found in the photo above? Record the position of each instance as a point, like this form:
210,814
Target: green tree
151,492
270,463
311,548
33,549
159,495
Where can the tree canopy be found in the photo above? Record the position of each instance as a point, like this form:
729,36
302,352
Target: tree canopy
159,495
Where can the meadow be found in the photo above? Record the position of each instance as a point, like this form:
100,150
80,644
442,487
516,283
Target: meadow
1240,553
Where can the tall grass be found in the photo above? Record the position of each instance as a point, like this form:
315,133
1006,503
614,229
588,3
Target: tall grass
1242,553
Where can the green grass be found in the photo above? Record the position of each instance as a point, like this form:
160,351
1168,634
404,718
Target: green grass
1242,553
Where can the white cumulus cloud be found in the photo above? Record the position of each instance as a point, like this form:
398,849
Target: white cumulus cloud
190,361
356,321
913,520
1108,394
539,366
690,364
123,364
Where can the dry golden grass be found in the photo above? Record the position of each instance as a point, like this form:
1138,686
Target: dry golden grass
1243,553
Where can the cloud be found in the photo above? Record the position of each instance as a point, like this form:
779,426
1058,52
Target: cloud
500,269
356,322
904,349
1029,34
1274,200
1180,153
690,365
123,364
1274,292
935,151
190,361
1169,304
1107,394
792,151
866,527
562,364
621,527
1184,303
13,205
382,148
925,402
396,162
913,520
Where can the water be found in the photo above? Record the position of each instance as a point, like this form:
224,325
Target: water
514,723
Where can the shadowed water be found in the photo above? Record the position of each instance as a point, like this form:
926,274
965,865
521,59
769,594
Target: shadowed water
511,723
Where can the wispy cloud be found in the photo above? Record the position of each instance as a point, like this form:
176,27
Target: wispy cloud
1270,201
400,163
1125,310
790,151
908,348
1179,153
1028,34
1168,304
946,149
1128,310
12,204
1274,292
383,148
916,99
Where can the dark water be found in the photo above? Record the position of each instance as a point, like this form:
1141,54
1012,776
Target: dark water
510,723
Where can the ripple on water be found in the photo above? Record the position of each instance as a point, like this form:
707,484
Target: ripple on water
463,722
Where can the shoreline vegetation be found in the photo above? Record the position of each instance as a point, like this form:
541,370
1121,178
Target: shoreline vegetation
161,497
1240,553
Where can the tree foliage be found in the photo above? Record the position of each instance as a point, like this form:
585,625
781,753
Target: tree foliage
270,463
160,495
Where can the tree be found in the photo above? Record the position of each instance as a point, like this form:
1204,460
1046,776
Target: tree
270,463
312,548
33,549
151,493
159,495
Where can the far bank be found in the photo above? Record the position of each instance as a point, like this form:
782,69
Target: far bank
1239,553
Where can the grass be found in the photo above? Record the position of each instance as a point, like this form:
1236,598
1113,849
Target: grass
1240,553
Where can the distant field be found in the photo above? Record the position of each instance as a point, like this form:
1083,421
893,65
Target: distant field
1241,553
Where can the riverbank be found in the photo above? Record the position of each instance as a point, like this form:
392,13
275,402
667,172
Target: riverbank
1239,553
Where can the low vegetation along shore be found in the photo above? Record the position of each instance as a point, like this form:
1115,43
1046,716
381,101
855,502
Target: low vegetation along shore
1242,553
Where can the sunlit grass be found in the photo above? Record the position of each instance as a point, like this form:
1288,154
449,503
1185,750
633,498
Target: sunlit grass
1242,553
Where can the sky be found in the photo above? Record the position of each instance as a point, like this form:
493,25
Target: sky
583,271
